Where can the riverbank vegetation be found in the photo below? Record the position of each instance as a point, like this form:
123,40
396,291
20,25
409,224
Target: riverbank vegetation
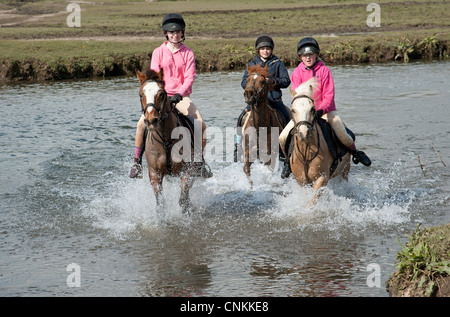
117,36
423,265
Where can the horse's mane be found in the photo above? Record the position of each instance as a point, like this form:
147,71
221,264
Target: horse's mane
257,68
307,88
150,74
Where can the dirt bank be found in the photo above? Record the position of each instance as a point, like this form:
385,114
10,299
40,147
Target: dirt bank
223,55
423,265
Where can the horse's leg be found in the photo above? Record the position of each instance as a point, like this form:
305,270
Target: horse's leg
186,185
346,170
247,158
156,182
320,182
247,165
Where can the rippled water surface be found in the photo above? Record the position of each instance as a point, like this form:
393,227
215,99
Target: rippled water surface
66,151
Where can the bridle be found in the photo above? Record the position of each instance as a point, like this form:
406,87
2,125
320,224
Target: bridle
255,90
310,126
162,116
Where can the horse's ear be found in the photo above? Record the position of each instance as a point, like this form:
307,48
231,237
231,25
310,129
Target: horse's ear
161,75
292,91
140,76
248,69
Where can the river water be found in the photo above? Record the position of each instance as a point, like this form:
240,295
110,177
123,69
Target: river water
69,213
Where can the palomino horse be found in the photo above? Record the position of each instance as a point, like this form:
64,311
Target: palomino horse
259,121
161,149
311,160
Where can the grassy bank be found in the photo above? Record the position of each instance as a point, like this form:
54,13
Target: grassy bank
116,37
423,265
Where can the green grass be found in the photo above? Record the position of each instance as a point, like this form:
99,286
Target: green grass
228,19
221,33
425,257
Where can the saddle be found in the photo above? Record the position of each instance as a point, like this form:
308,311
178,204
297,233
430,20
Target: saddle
243,117
182,121
335,146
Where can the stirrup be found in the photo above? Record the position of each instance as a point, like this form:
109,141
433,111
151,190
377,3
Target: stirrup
136,170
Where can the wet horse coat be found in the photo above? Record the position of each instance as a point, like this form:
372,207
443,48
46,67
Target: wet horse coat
167,150
311,160
260,121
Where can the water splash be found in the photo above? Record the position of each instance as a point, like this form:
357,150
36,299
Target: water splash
379,200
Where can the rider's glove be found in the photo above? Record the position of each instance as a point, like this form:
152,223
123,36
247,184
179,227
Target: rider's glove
319,113
175,99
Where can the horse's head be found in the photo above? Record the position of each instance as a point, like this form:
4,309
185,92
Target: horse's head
154,101
303,110
257,84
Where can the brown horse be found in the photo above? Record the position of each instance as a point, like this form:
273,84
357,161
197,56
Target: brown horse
311,160
167,151
261,123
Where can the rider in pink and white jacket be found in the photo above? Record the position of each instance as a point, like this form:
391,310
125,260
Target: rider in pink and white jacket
311,66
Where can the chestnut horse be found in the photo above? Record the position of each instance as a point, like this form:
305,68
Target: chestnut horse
311,160
163,152
260,122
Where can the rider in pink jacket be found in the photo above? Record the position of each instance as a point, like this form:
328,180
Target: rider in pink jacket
178,64
179,68
324,95
311,66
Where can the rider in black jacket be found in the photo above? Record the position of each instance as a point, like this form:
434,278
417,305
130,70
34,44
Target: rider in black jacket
277,73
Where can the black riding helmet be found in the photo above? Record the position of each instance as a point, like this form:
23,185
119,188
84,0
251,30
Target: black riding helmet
173,22
263,41
307,45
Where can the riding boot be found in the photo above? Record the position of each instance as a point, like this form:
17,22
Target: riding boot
136,169
286,171
236,144
202,169
360,156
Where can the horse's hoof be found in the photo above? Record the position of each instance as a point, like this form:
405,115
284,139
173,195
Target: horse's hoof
206,171
186,208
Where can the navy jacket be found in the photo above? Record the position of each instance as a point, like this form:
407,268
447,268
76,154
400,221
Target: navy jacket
277,71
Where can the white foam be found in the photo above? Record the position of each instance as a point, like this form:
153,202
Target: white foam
365,202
